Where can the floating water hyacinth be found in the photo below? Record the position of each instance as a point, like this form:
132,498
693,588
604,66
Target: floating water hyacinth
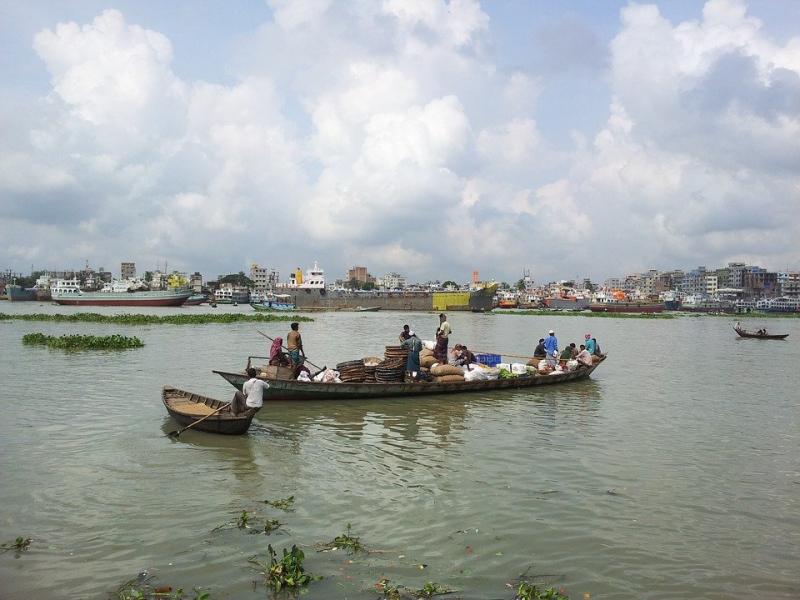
139,319
83,342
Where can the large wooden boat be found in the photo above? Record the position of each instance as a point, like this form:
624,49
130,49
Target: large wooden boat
760,336
282,389
186,408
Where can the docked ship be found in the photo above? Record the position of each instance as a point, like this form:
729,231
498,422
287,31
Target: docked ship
17,293
627,307
617,302
309,292
119,293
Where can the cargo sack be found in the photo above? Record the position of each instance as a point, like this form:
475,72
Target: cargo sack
442,370
427,361
425,352
449,379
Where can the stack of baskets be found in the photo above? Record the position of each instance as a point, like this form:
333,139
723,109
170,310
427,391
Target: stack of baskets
370,365
351,371
391,371
393,353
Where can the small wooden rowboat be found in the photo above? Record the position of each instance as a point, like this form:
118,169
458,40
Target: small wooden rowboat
761,336
282,389
186,408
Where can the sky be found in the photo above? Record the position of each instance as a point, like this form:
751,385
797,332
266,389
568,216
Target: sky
427,137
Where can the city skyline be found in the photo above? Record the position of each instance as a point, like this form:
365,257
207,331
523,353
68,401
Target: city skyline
430,139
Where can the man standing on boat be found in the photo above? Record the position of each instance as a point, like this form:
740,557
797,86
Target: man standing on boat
414,346
294,343
442,335
551,348
251,396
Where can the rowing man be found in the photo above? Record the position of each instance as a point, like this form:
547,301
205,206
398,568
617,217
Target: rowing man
251,396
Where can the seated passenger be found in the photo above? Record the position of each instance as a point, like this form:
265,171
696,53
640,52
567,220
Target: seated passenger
277,357
584,357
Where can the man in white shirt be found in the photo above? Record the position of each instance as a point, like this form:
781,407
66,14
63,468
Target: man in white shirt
584,357
251,396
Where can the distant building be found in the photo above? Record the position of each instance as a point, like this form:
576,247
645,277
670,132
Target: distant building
264,279
196,282
127,270
394,281
360,275
712,284
789,284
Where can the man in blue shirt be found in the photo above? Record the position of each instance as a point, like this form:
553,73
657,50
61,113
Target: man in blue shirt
551,347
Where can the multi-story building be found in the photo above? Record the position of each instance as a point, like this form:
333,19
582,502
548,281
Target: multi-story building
264,279
736,272
360,275
712,284
196,282
392,281
694,282
789,284
758,282
127,270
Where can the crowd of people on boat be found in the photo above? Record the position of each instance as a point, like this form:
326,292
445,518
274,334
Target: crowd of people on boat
292,355
547,350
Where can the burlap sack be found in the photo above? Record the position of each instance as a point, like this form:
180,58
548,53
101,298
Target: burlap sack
427,362
449,379
425,352
442,370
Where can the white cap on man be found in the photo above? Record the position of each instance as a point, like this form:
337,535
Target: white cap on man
551,332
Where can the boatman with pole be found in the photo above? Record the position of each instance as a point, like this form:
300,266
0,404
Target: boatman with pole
294,343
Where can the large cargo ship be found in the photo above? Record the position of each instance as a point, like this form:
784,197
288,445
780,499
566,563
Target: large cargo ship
17,293
68,292
627,307
309,292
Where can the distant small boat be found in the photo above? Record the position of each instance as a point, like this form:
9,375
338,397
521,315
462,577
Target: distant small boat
760,336
186,408
367,308
274,302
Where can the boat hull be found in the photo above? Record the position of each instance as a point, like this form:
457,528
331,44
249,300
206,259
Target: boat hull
280,390
321,299
627,307
195,300
757,336
122,299
567,304
223,423
18,293
272,306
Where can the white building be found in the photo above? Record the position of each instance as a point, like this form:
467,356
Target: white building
393,281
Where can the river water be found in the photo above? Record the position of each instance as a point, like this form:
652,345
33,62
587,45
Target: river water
673,473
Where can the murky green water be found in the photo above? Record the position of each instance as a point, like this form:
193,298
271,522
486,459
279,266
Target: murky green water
673,473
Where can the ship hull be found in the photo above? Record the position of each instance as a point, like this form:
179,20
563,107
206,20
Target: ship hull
319,299
123,299
18,293
567,304
626,307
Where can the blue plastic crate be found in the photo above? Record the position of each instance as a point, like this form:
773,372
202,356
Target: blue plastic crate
490,360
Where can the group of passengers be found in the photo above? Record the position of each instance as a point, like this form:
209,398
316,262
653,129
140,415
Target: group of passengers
547,350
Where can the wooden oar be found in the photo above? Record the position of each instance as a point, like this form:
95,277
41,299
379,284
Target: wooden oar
178,432
285,348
